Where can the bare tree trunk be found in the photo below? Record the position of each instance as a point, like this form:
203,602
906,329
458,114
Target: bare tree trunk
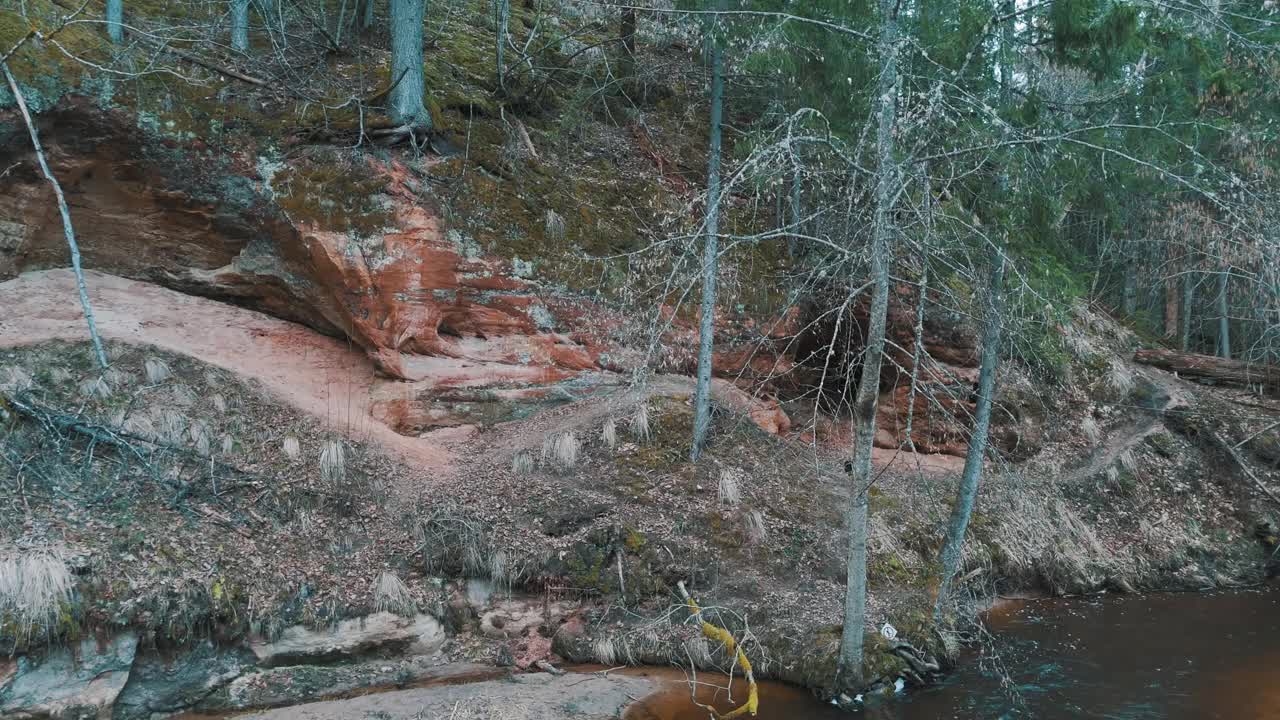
67,229
501,21
849,670
240,25
1224,317
366,15
1188,300
407,105
627,33
710,257
967,493
115,20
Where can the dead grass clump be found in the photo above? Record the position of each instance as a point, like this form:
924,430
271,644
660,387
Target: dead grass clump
390,594
16,380
34,587
639,425
554,225
227,445
455,543
183,396
729,491
95,388
1120,379
172,426
1045,540
560,450
753,528
219,402
609,433
605,651
1091,430
522,463
117,378
201,437
157,370
292,447
333,463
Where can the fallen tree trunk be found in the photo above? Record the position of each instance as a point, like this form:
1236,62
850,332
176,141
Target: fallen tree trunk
1208,367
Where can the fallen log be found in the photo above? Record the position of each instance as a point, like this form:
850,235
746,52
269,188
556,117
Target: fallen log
1208,367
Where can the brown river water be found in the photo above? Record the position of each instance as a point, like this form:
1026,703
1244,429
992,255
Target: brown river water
1167,657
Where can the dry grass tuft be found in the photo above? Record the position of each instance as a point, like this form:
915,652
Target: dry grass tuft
201,437
34,587
639,424
390,594
157,370
522,463
1120,379
609,433
172,426
605,651
117,378
1091,429
753,528
16,380
95,388
560,450
227,445
553,225
183,396
219,402
292,447
333,463
729,491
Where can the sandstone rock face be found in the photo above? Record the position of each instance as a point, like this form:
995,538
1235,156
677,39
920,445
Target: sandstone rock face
475,338
79,681
383,631
161,683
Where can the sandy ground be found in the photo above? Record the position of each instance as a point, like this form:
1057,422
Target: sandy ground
535,696
320,375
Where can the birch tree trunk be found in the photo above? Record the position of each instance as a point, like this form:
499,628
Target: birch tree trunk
64,212
115,20
407,105
849,670
710,256
240,25
967,493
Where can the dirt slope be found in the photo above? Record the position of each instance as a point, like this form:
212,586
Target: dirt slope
319,375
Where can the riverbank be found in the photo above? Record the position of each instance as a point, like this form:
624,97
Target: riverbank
212,518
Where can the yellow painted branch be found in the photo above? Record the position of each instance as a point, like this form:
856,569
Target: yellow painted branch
715,632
